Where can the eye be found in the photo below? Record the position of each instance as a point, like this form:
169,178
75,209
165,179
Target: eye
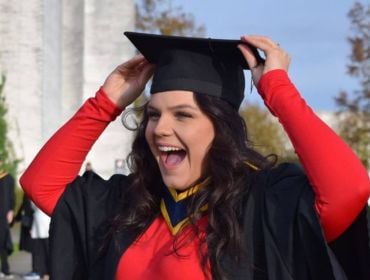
183,115
153,115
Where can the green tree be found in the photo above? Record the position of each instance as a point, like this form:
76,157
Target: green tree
161,16
8,159
354,108
266,134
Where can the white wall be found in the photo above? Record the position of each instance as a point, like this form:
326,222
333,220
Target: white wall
56,54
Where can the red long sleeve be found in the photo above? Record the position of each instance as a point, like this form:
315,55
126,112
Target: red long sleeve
339,180
59,161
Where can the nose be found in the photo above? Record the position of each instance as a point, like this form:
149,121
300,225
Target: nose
163,126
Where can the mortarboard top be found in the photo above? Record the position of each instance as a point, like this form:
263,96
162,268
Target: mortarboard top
203,65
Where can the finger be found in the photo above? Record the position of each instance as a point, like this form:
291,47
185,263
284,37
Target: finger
133,62
147,71
141,65
249,56
144,67
258,39
133,65
261,42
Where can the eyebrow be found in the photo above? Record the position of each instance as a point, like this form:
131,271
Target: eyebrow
176,107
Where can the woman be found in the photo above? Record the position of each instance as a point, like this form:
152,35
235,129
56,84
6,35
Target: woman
200,202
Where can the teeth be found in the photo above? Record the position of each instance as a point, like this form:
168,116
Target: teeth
168,149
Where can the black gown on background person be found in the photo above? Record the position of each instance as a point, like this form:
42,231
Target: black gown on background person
7,203
25,217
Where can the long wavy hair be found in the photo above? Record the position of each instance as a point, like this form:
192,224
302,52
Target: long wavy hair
232,164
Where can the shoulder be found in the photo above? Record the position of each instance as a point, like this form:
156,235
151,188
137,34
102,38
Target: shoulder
89,201
284,175
92,191
284,171
92,184
283,186
80,221
8,178
280,217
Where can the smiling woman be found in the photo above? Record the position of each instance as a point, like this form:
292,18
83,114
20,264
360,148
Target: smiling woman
200,202
179,135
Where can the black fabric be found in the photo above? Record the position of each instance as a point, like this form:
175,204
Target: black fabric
40,256
283,238
7,203
7,194
78,224
355,257
204,65
198,72
153,45
25,217
4,262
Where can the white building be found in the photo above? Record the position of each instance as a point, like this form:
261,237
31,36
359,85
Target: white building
55,54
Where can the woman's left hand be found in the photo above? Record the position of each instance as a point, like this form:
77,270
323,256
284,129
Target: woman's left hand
10,216
276,57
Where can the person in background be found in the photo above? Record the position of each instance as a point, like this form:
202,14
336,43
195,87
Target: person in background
119,166
25,217
88,166
7,204
40,245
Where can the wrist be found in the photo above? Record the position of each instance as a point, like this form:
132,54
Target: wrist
270,80
276,90
108,103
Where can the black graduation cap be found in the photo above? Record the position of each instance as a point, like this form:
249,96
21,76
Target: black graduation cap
202,65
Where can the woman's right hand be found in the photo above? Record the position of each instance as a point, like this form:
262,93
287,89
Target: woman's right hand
128,80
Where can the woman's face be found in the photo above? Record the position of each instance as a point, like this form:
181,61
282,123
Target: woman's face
179,135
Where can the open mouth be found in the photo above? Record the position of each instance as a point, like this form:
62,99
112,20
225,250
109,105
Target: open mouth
171,156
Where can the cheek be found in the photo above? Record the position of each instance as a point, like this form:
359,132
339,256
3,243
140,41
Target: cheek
149,136
209,134
202,142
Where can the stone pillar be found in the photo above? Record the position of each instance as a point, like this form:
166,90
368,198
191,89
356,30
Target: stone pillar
105,45
21,60
105,48
72,56
52,68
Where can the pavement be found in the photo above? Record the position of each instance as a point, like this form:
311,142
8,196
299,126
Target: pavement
19,261
20,264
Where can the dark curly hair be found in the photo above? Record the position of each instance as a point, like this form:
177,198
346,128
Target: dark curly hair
232,165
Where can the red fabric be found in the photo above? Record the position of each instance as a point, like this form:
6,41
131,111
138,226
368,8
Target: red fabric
152,255
340,182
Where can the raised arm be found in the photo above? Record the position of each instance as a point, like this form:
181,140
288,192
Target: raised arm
59,161
338,178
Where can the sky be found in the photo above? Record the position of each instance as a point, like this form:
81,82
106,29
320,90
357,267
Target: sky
313,32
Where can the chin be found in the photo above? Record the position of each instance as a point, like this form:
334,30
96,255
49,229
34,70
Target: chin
175,184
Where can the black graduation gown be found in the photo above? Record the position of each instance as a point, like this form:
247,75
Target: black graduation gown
7,203
283,238
25,217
